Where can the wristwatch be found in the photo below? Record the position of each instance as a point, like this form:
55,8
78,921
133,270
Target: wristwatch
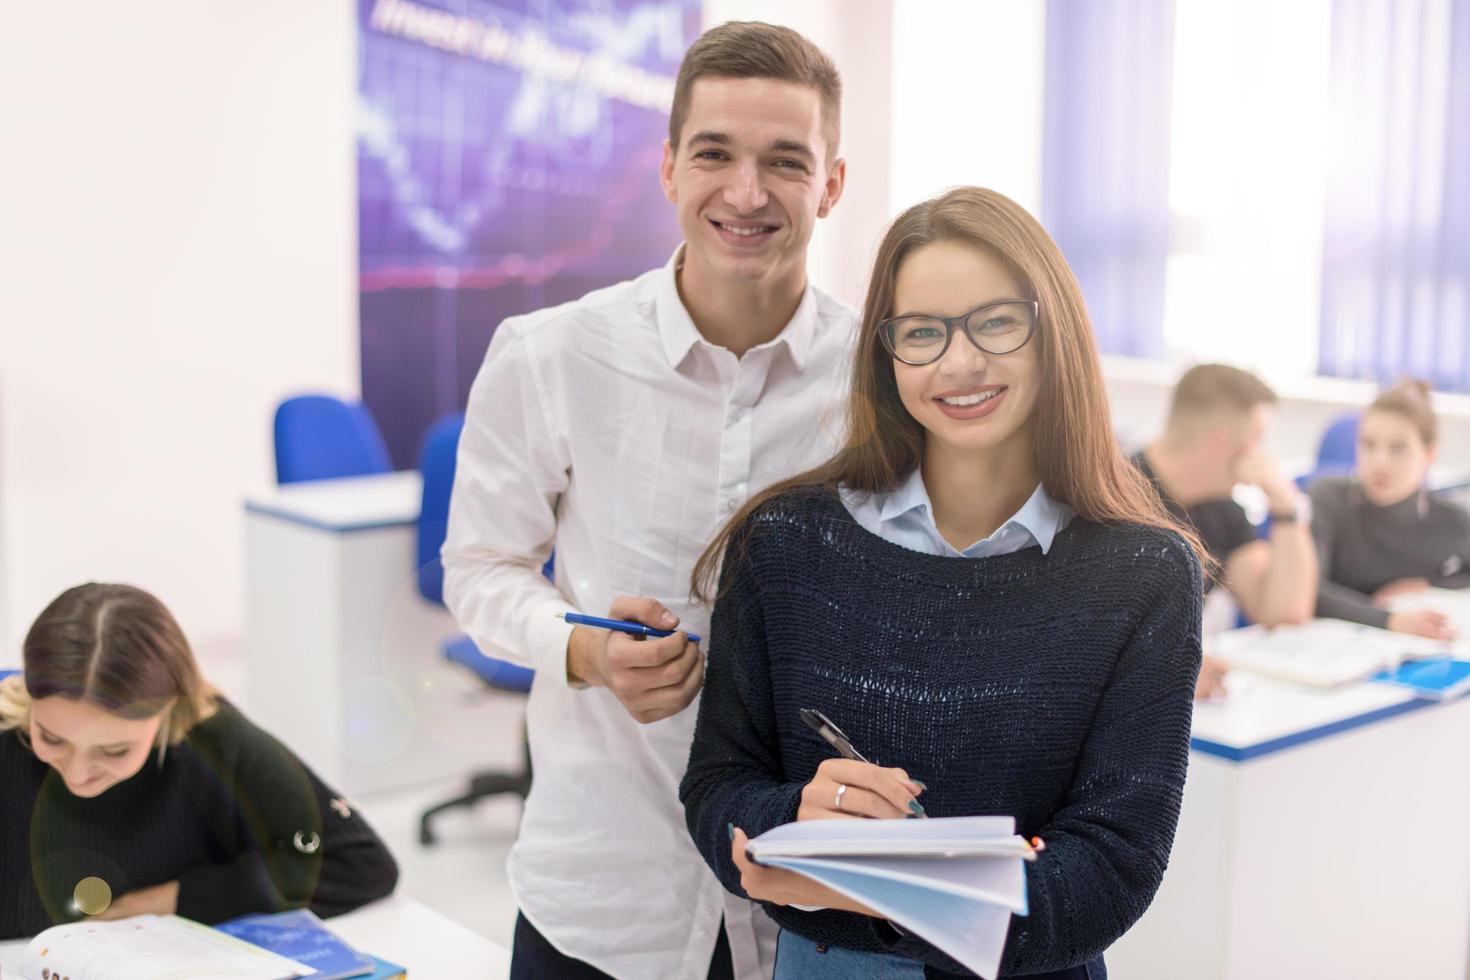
1300,513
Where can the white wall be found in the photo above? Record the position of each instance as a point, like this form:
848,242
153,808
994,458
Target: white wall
178,236
968,82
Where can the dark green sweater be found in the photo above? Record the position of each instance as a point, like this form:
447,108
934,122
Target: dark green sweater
220,816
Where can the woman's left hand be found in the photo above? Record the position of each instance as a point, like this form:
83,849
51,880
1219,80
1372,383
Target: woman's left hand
158,899
782,887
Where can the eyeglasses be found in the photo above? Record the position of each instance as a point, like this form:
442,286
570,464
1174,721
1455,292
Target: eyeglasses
1002,327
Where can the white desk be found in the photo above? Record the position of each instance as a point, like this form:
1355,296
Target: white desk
396,929
343,653
1323,834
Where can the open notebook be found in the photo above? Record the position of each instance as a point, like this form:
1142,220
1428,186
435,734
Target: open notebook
150,947
1322,652
954,881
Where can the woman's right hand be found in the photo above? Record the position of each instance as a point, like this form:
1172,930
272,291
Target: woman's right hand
872,791
1423,622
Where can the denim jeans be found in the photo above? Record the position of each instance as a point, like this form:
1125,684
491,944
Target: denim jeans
799,958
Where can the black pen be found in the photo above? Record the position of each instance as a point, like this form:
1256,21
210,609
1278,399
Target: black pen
834,737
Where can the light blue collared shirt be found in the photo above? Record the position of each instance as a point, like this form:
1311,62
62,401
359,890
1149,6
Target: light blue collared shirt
906,517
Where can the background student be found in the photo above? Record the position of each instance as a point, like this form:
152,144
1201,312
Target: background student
1379,533
1215,438
121,763
979,590
620,430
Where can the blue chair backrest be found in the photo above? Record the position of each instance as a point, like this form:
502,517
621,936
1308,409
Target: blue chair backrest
436,462
1339,447
6,673
319,437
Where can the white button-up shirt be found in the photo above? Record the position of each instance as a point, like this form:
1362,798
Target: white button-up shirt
611,429
906,517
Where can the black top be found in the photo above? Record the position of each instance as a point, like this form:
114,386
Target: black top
1054,688
1361,547
1221,524
220,815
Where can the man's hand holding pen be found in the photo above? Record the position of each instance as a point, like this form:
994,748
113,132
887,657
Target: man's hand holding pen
653,677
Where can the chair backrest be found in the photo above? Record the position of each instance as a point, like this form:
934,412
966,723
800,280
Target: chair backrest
436,462
319,437
1339,446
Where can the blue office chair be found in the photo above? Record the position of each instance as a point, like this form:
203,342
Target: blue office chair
319,437
1337,454
437,465
1339,446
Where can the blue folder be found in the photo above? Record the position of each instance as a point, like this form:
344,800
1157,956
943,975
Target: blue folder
1438,680
301,936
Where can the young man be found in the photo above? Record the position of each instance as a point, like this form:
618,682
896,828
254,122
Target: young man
1212,441
621,430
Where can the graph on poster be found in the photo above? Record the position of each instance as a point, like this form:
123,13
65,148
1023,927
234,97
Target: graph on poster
507,160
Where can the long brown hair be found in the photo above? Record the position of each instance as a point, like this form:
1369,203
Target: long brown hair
114,646
1077,455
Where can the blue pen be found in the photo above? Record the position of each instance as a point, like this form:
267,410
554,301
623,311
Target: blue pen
621,625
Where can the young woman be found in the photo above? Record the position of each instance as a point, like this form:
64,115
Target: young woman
132,786
1380,534
980,590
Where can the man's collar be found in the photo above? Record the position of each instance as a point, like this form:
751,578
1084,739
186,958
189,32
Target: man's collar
678,334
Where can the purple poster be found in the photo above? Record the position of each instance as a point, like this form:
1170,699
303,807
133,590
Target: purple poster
507,160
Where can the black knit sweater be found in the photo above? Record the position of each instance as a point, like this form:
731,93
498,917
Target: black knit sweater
1055,688
220,816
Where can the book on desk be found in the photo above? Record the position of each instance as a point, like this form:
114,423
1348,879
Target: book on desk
283,946
955,881
1323,652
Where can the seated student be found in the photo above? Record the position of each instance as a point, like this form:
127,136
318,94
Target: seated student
1380,534
119,762
1212,441
979,590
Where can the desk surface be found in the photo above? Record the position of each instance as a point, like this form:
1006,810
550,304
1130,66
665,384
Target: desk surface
1262,716
397,929
356,503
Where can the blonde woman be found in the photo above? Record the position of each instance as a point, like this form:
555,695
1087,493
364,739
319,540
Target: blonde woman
132,786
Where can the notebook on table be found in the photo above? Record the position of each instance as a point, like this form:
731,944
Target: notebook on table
150,947
1322,652
955,881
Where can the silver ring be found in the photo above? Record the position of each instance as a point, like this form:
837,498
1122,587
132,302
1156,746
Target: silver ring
305,844
837,803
